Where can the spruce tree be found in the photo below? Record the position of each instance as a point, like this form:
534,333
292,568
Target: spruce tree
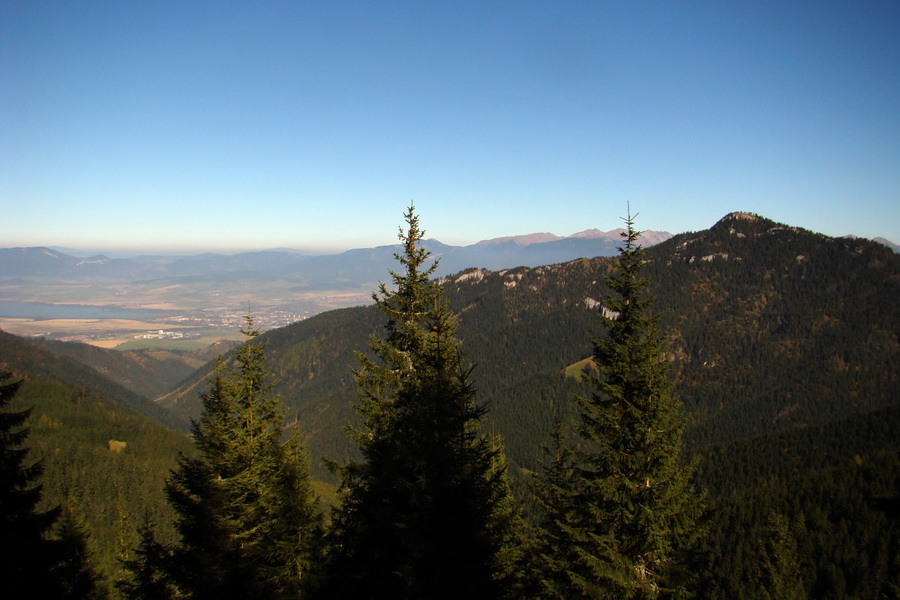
77,574
426,513
779,574
247,519
28,558
147,571
549,561
622,511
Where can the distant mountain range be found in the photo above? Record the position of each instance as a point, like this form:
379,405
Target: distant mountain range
352,267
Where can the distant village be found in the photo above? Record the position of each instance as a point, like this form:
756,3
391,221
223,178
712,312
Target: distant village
233,317
193,325
162,334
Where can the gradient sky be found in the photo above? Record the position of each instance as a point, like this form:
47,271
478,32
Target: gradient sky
227,125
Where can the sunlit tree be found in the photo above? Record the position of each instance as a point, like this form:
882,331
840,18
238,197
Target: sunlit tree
622,509
247,518
426,512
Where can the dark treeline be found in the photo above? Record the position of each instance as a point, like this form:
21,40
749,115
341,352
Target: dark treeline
836,488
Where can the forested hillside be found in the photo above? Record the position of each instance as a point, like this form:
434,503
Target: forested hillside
32,359
777,326
771,327
149,373
104,462
829,494
783,345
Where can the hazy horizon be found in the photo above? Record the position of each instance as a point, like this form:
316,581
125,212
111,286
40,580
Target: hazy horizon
126,252
123,252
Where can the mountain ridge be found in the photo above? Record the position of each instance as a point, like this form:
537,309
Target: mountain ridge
35,359
36,261
534,249
811,319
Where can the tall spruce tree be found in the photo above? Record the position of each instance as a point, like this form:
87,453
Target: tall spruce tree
29,559
620,507
549,561
77,574
148,579
779,573
426,513
247,518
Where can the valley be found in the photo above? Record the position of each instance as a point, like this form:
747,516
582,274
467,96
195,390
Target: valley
103,301
182,324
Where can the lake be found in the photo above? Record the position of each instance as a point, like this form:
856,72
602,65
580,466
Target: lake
40,311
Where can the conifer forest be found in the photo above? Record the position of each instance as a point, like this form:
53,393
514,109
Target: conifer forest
716,416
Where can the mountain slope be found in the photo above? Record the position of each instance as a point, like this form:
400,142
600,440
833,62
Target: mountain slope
21,356
771,327
147,373
834,487
105,462
777,326
888,243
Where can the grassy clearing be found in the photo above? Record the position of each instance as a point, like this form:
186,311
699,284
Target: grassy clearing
576,371
188,344
109,343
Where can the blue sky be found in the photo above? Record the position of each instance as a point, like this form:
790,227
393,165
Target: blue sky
227,125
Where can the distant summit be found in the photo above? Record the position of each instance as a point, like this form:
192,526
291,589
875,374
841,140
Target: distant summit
99,259
648,238
888,243
737,217
596,233
880,240
307,271
522,240
46,262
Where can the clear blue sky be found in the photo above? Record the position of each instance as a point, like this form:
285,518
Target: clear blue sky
228,125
